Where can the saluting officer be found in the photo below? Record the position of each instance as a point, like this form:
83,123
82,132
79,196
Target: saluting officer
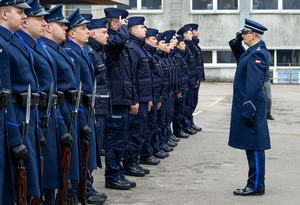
32,29
161,115
184,86
191,61
142,78
249,127
122,97
152,145
54,34
19,69
200,72
94,47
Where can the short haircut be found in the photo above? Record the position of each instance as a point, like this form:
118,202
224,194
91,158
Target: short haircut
131,27
110,20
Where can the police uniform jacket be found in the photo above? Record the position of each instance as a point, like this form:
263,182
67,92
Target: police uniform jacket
191,61
122,87
176,85
66,80
161,57
6,181
183,69
84,65
97,57
19,69
46,72
141,71
199,60
156,70
249,98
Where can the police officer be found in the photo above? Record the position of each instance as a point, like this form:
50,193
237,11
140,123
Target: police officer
152,146
142,79
184,86
200,72
6,188
174,92
161,115
122,97
54,34
77,35
21,73
249,128
191,61
32,29
94,47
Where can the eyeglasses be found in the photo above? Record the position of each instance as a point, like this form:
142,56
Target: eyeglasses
245,31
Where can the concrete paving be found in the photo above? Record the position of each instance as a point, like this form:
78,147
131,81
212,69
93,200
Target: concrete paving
203,169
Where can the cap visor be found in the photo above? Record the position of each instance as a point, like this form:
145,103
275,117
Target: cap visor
42,13
22,6
83,22
62,21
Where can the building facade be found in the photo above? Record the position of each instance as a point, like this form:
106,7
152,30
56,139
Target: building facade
218,21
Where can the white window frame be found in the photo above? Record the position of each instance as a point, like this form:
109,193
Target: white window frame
279,10
214,63
215,9
146,11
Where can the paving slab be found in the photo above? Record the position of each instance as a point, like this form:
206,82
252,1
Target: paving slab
203,169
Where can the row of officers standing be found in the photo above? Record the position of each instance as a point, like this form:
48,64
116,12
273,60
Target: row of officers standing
70,87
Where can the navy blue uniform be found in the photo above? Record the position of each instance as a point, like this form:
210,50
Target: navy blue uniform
20,66
249,101
138,123
6,180
83,63
184,87
66,80
161,114
191,61
152,145
200,74
97,58
47,73
122,96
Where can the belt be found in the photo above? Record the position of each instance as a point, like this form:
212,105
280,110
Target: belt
21,98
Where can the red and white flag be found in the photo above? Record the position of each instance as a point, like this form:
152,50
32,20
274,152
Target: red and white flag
257,62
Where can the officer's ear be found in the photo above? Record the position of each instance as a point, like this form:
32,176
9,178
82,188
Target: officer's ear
48,28
3,13
93,34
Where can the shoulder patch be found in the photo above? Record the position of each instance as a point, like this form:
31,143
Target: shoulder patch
257,61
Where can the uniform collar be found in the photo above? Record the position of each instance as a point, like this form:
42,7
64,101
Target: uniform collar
195,40
180,51
95,44
149,48
7,34
74,45
136,39
49,42
188,43
27,38
111,31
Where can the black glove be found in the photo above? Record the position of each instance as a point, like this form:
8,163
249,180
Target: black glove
238,37
43,141
248,122
66,140
18,153
85,133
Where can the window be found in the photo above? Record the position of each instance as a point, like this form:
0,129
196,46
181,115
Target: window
275,5
84,9
143,5
265,4
225,57
213,5
288,57
271,57
291,4
207,56
132,5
